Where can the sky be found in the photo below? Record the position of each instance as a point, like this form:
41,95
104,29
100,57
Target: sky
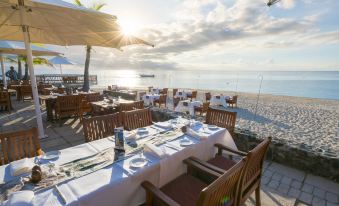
222,35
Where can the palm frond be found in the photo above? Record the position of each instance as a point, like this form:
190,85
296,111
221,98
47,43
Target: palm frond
78,2
98,6
41,61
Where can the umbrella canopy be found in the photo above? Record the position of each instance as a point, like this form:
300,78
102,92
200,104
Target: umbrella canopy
18,48
60,60
61,23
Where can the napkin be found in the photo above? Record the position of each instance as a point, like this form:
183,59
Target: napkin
164,125
21,198
154,150
195,134
20,167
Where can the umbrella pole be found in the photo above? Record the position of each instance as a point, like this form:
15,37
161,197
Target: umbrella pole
4,81
29,61
60,69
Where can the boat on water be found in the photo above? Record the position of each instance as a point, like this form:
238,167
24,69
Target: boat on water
147,75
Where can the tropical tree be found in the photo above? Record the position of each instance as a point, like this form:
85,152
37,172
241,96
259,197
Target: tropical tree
96,6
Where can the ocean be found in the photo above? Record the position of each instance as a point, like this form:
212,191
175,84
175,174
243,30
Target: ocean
313,84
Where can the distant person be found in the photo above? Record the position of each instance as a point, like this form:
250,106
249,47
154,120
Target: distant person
12,74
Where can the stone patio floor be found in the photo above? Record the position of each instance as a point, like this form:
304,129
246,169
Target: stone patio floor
281,185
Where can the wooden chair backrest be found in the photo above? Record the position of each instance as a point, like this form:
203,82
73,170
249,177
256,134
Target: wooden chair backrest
137,118
164,91
176,101
223,191
194,94
139,104
205,106
93,97
162,98
208,96
221,118
18,145
60,90
4,98
126,106
253,169
68,104
101,126
174,92
25,89
235,98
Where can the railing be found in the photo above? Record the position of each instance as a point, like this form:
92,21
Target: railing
66,79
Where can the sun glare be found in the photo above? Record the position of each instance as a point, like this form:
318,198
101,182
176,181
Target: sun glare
128,27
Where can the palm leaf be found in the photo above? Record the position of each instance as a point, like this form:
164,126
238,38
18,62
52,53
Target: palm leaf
98,6
78,2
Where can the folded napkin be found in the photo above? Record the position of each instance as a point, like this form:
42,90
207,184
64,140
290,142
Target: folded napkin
20,166
195,134
154,150
164,125
20,198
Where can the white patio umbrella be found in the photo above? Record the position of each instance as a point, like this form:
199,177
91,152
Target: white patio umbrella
57,22
61,61
18,48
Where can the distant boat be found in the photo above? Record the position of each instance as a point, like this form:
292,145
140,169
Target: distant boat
147,75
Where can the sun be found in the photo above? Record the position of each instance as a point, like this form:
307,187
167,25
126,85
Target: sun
128,27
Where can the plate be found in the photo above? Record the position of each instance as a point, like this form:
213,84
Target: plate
142,130
138,162
186,142
212,127
51,155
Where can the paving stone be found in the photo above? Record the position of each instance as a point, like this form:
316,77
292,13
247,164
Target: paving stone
277,176
331,197
268,173
294,192
265,180
283,188
286,180
322,183
319,192
306,197
331,204
273,184
296,184
287,171
307,188
318,202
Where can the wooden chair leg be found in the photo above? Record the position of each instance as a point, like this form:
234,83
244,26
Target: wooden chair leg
257,196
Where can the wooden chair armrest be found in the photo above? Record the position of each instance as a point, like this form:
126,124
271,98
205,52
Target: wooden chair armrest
152,191
223,147
207,165
200,171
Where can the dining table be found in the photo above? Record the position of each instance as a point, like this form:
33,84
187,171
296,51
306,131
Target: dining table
115,178
107,106
182,94
187,106
219,100
149,98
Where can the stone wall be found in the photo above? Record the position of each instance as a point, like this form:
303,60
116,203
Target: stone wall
279,151
291,156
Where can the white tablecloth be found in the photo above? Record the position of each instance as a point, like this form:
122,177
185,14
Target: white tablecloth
118,184
149,98
189,108
183,94
156,90
215,101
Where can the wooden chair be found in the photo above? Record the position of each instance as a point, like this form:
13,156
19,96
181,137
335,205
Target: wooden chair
189,190
202,109
174,92
139,104
233,101
26,91
19,145
101,126
193,95
251,176
164,91
60,90
208,96
137,118
67,106
162,100
5,101
221,118
176,101
42,87
87,99
126,107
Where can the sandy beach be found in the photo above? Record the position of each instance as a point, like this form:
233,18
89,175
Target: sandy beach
307,123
